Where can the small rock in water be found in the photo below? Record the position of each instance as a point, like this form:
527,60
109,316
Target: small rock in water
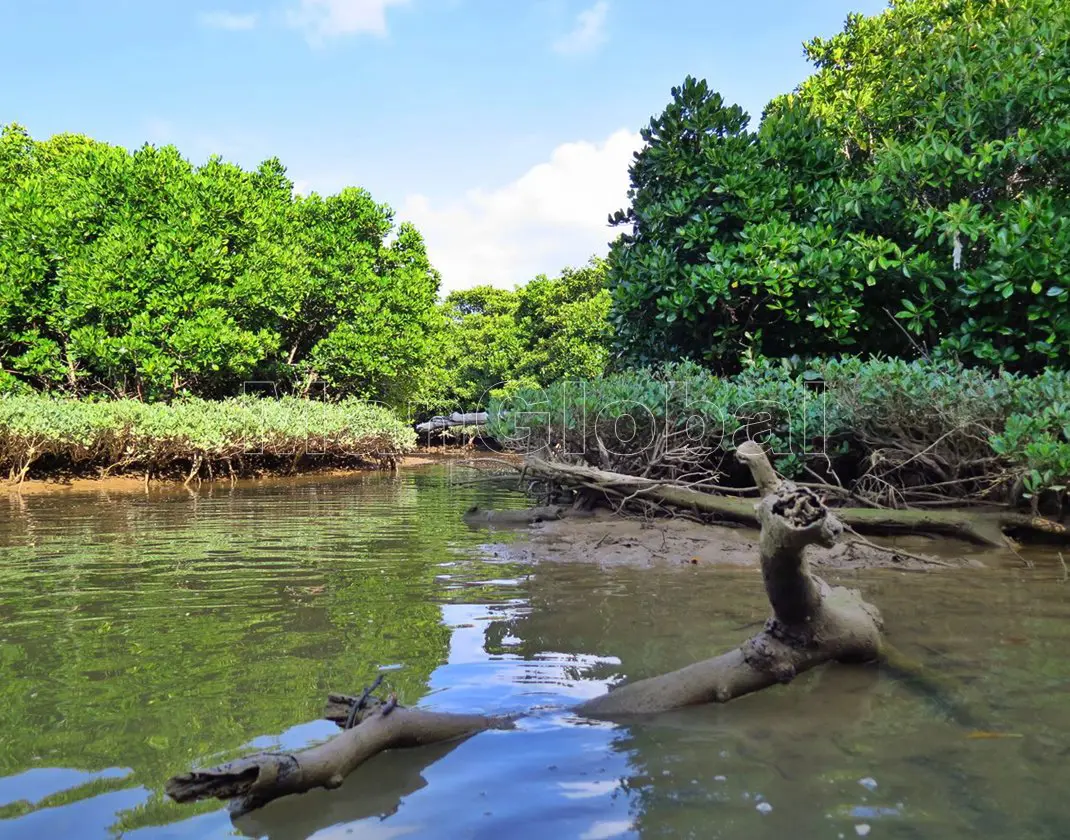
862,830
764,807
868,783
720,778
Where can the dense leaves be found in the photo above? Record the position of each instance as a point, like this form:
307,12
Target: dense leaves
496,340
913,194
139,274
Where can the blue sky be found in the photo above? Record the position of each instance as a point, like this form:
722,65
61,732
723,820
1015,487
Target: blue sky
502,128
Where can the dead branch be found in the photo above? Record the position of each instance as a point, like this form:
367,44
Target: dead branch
255,780
980,527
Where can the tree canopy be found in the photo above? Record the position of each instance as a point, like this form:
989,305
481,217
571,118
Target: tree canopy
912,196
137,273
497,340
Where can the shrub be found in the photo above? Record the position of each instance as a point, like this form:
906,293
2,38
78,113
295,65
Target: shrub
496,341
224,437
888,431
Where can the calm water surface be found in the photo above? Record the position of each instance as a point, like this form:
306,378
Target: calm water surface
141,635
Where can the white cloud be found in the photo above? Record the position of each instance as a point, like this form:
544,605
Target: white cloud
589,32
229,20
552,216
321,20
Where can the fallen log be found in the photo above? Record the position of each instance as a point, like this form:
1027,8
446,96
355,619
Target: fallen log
985,528
812,623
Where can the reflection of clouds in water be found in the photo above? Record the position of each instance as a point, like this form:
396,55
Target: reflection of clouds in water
586,790
604,829
557,774
470,671
38,783
367,830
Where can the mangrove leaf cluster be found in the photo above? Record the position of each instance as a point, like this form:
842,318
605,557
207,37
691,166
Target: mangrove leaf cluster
138,274
913,193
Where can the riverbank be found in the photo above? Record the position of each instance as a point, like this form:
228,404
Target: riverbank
307,472
69,440
879,433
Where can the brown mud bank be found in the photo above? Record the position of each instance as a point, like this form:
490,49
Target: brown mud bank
136,482
608,539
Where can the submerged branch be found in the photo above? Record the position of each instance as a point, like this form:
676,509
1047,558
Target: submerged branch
255,780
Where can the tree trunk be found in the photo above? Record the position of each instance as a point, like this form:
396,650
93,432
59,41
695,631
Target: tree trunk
812,623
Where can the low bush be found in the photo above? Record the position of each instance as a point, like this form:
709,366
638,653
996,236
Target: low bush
228,437
889,432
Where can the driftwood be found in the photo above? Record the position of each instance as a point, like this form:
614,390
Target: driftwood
980,527
812,623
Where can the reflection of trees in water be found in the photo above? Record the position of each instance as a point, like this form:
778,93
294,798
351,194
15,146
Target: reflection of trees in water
155,631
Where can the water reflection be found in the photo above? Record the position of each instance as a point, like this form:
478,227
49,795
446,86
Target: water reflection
144,634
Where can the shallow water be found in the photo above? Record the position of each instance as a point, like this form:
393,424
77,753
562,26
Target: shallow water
142,635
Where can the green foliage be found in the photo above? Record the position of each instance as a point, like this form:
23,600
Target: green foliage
496,341
915,191
135,273
481,347
239,434
887,430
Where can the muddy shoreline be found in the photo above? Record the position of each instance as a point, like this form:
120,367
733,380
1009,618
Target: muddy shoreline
610,540
135,482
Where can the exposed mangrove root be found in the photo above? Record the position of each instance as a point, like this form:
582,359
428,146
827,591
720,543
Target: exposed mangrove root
982,528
